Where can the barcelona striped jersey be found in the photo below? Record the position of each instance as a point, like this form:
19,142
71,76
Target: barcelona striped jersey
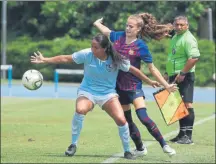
135,52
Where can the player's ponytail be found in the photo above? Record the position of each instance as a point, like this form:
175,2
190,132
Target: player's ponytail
150,27
110,51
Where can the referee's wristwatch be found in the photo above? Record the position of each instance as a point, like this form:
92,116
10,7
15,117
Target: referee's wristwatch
182,73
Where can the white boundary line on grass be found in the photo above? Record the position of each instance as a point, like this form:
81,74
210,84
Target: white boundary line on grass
115,157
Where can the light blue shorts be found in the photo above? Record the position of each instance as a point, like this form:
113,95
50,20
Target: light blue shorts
100,100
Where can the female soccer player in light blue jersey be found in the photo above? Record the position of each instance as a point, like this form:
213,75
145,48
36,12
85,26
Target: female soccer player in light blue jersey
101,66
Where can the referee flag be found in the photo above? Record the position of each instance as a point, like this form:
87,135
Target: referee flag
171,105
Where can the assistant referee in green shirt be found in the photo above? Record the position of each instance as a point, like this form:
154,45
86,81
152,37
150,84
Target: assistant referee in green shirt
180,67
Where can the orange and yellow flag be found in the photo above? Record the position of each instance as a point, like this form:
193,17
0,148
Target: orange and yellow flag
171,105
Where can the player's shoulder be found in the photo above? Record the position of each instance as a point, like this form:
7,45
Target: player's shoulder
141,44
86,50
86,53
118,33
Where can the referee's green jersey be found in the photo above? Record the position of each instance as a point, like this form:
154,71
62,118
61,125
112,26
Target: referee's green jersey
183,47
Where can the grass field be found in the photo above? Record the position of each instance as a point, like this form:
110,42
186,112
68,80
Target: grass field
39,131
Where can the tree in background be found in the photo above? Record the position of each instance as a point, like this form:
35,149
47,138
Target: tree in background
48,19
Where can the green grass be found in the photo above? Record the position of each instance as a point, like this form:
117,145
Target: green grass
39,131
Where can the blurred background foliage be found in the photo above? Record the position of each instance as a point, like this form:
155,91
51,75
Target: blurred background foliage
63,27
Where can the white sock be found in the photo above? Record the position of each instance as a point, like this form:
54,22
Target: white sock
125,137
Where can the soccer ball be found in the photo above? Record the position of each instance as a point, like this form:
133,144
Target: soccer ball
32,79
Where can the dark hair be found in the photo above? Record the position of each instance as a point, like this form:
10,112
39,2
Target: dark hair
110,51
150,28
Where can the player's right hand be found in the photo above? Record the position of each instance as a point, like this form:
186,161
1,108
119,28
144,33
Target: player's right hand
155,84
37,58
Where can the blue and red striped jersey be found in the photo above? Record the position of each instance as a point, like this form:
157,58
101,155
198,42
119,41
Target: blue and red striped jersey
135,52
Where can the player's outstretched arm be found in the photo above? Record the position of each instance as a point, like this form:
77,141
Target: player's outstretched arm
103,29
136,72
38,58
155,72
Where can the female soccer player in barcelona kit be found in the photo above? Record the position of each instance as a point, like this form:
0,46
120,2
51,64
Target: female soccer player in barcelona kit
101,66
129,87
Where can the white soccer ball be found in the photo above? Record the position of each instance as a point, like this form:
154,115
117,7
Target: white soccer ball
32,79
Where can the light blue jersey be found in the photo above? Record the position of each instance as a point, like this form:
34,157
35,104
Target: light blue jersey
99,76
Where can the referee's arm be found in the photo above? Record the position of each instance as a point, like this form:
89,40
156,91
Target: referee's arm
189,64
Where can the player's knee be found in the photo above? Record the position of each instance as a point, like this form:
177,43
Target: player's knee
81,111
120,121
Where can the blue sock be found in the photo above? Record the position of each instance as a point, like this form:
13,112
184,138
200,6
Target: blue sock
134,131
125,137
77,123
150,125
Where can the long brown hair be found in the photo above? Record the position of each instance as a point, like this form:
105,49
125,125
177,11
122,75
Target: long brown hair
110,51
150,28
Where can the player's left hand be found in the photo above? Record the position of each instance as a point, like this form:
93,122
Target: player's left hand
172,88
98,21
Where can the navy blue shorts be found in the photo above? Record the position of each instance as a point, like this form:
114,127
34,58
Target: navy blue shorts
127,97
186,87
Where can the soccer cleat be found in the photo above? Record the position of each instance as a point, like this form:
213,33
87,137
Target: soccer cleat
129,155
185,140
170,151
174,139
71,150
141,152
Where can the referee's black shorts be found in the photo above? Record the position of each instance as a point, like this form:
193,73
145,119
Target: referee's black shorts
186,87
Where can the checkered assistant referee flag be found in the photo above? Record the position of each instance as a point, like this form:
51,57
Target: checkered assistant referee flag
171,105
